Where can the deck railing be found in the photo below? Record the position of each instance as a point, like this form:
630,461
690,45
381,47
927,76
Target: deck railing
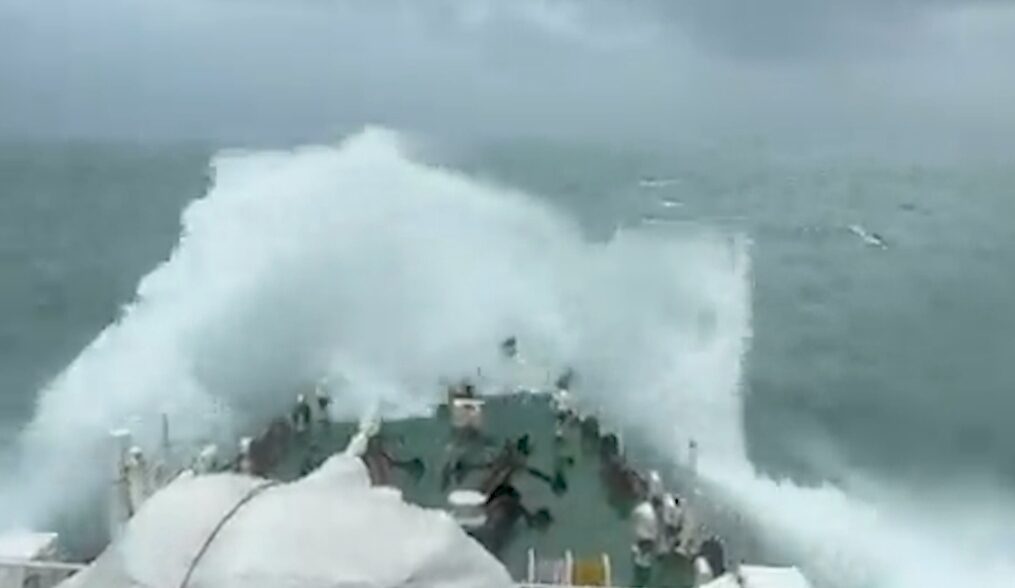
44,574
34,573
538,585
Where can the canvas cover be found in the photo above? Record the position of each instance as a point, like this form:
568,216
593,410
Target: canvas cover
329,530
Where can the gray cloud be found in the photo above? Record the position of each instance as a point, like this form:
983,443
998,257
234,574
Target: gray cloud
799,29
263,70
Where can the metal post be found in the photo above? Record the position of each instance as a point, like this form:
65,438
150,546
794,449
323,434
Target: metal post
119,499
165,434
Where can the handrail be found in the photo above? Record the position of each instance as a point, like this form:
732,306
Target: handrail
43,565
539,585
73,568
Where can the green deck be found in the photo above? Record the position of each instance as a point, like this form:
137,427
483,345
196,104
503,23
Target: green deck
584,521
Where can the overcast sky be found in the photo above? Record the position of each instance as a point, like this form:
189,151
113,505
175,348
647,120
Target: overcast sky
274,70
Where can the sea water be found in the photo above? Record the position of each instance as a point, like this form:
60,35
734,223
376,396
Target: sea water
849,399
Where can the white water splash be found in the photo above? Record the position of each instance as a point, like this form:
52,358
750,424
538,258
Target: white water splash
389,275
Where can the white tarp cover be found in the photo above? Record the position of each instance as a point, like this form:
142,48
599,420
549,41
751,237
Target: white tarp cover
27,545
22,545
761,577
328,530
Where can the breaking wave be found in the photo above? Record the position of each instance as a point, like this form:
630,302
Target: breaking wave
384,274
